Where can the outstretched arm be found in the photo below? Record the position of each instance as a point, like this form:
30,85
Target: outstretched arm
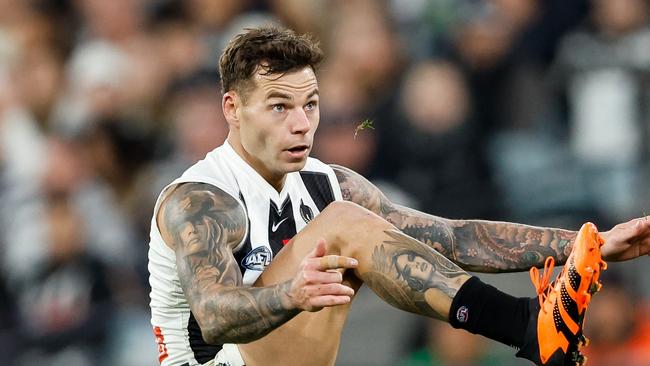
203,224
488,246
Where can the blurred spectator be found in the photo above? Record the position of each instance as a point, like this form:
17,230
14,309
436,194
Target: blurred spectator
504,48
22,163
39,77
344,104
603,70
178,46
70,172
432,144
117,21
292,13
66,307
197,126
372,59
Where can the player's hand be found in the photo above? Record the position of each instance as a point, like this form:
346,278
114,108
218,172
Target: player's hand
628,240
318,281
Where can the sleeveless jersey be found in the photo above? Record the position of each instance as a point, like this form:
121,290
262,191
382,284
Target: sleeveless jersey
273,219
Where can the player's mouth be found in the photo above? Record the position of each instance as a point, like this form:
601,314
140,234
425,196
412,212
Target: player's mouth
298,151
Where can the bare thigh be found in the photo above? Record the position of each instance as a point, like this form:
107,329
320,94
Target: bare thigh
313,338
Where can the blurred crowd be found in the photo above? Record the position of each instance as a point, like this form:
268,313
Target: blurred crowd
535,111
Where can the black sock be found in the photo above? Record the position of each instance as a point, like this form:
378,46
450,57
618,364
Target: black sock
482,309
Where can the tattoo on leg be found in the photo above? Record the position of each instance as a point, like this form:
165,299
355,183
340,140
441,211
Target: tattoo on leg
410,275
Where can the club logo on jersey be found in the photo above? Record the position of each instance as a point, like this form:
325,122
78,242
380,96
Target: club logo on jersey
257,259
306,212
462,314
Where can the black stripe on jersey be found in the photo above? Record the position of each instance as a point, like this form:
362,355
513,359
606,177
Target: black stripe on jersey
203,352
282,225
284,204
241,197
319,187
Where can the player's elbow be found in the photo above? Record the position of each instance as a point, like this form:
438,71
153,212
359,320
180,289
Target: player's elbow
212,331
218,337
212,335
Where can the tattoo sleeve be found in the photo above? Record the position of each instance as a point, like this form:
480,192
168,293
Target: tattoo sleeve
203,224
476,245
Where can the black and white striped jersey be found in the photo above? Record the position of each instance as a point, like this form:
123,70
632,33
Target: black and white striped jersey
273,219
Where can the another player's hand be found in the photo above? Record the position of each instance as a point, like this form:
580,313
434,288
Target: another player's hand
628,240
318,281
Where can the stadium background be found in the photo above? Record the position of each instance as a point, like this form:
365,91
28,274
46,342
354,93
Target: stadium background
535,111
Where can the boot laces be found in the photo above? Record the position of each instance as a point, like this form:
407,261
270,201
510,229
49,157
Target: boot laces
542,282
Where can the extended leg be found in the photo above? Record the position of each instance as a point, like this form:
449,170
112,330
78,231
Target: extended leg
401,270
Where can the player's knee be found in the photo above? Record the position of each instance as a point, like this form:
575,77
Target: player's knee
348,226
346,213
347,219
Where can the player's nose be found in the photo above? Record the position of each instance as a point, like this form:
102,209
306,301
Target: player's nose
300,123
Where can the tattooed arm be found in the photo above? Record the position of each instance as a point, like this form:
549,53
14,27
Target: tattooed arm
482,246
202,224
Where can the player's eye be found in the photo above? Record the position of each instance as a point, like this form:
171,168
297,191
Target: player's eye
278,107
310,106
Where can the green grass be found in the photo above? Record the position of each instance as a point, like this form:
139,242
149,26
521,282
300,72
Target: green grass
364,125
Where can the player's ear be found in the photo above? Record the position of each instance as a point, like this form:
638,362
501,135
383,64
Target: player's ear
230,104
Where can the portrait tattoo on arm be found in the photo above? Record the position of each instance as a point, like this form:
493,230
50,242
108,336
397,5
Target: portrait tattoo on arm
412,276
203,225
477,245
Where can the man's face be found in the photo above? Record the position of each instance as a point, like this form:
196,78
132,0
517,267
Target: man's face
415,270
277,122
194,231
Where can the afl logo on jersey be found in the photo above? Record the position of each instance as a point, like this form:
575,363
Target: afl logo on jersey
305,212
257,259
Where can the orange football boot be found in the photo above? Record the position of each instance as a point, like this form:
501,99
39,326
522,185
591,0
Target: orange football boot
558,333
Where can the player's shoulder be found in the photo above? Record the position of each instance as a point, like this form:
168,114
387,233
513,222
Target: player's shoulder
200,195
344,174
190,202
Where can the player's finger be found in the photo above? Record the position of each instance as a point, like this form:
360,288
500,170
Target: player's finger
316,277
326,289
335,262
329,300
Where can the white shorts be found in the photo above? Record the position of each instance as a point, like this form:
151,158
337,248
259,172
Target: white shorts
228,356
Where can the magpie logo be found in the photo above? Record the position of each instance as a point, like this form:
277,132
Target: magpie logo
306,212
257,259
462,314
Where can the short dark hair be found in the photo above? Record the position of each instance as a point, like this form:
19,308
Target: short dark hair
276,50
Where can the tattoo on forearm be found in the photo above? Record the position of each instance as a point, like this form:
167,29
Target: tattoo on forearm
243,315
409,275
476,245
499,246
204,224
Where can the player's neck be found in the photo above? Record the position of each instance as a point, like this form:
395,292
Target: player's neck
275,180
